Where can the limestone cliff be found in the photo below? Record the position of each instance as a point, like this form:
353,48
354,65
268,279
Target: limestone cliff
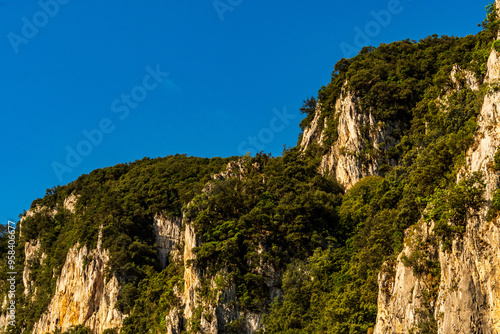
455,290
465,296
212,314
83,296
167,234
360,142
215,313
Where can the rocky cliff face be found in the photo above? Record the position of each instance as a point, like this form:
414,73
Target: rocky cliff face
32,253
361,140
215,313
465,296
211,314
83,294
168,235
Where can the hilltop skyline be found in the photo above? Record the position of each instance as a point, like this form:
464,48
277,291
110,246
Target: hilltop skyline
88,86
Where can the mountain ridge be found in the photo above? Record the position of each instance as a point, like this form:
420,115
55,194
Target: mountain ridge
377,221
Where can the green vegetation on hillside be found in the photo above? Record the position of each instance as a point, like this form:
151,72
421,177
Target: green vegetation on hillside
281,210
408,85
123,201
280,225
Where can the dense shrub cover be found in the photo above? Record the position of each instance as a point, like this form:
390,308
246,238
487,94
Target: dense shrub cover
322,246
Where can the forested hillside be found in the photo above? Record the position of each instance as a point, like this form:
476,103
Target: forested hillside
268,244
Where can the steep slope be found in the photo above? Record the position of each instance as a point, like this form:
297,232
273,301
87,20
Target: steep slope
169,265
356,132
424,100
463,295
232,253
194,311
385,214
81,261
83,295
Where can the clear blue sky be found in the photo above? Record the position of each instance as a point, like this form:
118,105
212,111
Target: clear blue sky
236,71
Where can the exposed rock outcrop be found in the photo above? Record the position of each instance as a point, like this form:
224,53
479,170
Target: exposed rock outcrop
218,312
31,253
466,298
360,140
83,295
4,320
70,203
314,133
233,169
214,313
167,234
461,78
